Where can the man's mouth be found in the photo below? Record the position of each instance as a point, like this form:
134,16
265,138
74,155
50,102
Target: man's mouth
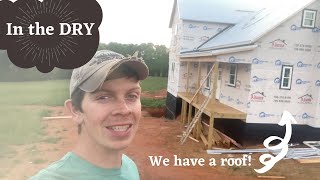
121,128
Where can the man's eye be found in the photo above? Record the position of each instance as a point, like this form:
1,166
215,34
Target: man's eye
132,96
103,98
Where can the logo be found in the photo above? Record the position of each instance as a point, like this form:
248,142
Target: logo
295,28
232,59
278,44
316,30
300,64
280,63
318,83
257,96
306,116
248,104
300,82
191,26
257,61
50,34
239,102
277,80
257,79
306,99
230,98
206,28
204,38
265,115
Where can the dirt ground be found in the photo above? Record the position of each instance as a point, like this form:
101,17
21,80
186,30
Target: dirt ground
155,137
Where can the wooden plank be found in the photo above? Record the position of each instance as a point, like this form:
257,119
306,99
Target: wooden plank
184,112
198,128
309,160
210,133
188,71
272,177
214,80
216,108
194,130
189,113
179,136
228,138
198,81
182,109
56,117
204,140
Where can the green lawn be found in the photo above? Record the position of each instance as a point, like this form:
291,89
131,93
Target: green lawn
20,123
152,84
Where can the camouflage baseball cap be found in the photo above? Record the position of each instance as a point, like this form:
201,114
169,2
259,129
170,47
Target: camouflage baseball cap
92,75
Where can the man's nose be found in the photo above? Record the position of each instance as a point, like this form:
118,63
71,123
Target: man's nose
121,108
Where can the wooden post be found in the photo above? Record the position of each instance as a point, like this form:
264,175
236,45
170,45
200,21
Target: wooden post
184,103
198,128
214,80
194,131
189,113
199,78
182,111
210,133
188,71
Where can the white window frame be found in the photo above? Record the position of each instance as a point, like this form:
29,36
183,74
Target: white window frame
283,69
233,84
208,80
304,18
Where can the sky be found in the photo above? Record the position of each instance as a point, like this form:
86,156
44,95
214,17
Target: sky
136,21
144,21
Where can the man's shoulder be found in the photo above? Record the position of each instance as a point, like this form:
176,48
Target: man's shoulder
53,171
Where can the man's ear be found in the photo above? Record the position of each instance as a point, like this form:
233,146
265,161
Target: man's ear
76,114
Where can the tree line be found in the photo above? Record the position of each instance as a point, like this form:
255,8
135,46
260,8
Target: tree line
155,56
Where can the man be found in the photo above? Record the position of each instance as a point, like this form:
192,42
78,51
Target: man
105,103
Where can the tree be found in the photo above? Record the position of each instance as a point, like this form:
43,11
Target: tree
155,56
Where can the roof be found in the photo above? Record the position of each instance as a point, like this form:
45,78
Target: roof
226,11
255,26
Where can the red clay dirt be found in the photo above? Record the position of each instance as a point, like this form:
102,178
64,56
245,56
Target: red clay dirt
155,137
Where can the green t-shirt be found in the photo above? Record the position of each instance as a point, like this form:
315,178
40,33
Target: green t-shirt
72,167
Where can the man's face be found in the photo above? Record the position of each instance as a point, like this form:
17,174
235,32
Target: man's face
111,114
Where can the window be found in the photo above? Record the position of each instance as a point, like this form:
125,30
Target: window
208,81
286,76
309,18
233,75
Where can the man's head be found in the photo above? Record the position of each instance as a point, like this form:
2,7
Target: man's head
105,99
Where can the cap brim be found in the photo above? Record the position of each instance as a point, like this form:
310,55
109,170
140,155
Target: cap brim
97,78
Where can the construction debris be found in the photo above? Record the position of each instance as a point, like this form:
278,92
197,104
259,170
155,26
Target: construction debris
272,177
309,160
232,151
57,117
312,144
179,136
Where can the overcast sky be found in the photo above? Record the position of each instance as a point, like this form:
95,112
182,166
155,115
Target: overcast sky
143,21
136,21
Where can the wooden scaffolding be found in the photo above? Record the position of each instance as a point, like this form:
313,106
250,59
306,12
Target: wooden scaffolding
207,105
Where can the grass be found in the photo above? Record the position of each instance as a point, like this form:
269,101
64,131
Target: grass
153,84
19,125
52,140
38,161
50,93
150,102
